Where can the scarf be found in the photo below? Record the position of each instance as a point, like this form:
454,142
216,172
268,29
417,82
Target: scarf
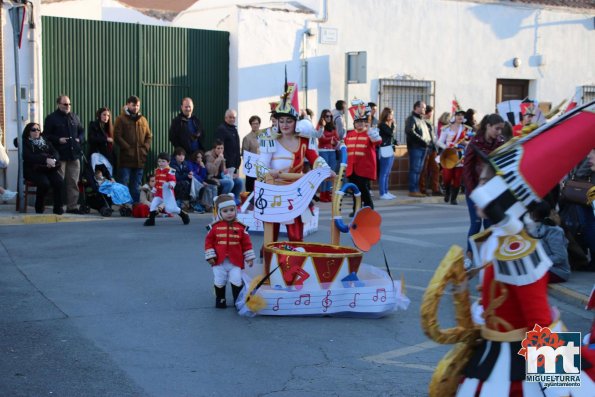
39,143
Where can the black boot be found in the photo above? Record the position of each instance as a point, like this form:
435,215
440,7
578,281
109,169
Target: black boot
185,217
220,297
446,194
151,220
235,290
454,193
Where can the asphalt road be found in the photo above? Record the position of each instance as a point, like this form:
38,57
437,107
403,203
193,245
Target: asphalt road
111,308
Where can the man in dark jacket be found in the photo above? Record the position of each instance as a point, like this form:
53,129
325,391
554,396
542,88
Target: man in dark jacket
227,133
186,130
64,130
418,139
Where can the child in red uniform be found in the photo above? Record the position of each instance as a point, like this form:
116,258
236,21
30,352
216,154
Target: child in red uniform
165,178
227,247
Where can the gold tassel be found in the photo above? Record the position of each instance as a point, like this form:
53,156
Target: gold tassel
255,302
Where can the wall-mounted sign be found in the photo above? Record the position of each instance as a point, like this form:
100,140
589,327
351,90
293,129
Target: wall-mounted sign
329,36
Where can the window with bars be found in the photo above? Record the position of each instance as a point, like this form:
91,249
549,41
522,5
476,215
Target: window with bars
400,95
587,93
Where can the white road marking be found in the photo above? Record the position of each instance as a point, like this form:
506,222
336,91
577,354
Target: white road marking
388,357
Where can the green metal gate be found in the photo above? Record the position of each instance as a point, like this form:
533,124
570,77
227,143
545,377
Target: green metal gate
100,63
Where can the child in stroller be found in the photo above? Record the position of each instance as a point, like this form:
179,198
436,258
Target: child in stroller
101,191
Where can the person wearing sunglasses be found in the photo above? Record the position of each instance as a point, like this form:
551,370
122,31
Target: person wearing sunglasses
64,130
41,166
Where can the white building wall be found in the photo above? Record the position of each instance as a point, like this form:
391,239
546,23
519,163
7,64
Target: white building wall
101,10
30,75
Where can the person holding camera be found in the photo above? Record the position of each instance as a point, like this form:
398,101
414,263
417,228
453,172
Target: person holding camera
41,166
66,133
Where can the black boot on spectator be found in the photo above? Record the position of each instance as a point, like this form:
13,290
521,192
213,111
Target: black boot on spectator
151,220
454,193
220,297
446,194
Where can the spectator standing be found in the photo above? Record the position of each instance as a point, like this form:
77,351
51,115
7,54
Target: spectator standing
487,139
186,130
373,111
250,144
338,120
133,135
64,130
101,135
327,146
430,171
227,133
386,128
418,139
443,122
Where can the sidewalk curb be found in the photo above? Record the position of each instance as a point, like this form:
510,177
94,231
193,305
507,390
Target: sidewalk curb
569,294
45,218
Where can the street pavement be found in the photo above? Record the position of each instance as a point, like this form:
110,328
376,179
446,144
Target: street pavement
107,307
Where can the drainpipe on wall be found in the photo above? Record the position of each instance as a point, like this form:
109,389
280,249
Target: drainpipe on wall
17,19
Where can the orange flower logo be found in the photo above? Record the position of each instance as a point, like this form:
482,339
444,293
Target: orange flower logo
538,337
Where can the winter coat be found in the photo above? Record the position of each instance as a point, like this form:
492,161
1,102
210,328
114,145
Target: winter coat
133,135
215,165
64,125
417,132
555,244
180,135
34,158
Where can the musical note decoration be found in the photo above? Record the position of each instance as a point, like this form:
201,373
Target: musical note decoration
274,205
249,163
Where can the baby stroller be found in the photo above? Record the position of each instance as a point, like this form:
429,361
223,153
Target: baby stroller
95,194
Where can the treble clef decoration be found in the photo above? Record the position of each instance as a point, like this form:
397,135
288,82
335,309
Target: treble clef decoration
327,302
248,165
260,202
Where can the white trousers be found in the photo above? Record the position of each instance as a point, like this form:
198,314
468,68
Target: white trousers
227,271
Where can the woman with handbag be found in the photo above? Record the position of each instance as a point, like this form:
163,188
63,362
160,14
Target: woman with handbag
386,127
41,166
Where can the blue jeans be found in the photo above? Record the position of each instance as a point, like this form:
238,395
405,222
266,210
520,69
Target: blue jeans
226,185
476,221
331,159
238,186
135,184
386,165
416,164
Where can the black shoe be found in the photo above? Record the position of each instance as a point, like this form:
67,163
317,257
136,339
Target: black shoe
58,211
447,194
235,290
454,193
185,217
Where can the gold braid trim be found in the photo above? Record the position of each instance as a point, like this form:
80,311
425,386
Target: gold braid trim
492,320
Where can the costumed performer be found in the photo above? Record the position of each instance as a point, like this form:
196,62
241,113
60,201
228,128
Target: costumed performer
227,247
454,137
287,151
361,151
515,265
165,178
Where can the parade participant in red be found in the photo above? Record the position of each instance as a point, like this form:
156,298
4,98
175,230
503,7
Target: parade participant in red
165,178
286,152
527,114
361,151
454,138
515,265
227,247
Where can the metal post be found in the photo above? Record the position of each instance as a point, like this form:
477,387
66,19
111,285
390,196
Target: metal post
16,15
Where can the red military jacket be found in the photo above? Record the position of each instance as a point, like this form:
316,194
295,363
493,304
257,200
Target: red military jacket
229,240
161,176
361,154
508,307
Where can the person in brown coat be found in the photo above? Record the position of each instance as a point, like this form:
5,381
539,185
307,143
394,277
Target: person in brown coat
133,135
